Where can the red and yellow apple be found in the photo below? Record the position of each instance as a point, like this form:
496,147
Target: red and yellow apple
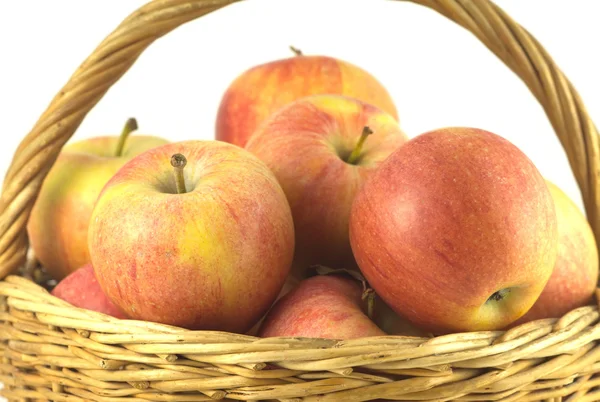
328,306
58,225
575,275
196,234
262,90
81,289
318,149
456,231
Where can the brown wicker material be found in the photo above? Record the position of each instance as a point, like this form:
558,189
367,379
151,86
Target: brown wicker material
52,351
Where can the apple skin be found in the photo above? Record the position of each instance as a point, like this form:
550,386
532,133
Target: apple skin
327,306
448,220
262,90
304,145
575,275
81,289
58,225
213,258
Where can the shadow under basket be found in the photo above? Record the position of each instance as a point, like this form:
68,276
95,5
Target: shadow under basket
53,351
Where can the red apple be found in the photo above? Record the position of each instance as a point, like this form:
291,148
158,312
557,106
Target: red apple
81,289
208,247
575,275
328,306
308,145
58,225
262,90
456,231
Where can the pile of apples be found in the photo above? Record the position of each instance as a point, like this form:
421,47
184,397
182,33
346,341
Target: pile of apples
312,214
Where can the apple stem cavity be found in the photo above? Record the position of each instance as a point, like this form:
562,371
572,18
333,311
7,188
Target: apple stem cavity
129,127
353,158
296,51
178,161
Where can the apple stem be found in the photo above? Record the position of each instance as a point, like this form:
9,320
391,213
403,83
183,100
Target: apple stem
369,295
296,51
356,151
178,161
130,126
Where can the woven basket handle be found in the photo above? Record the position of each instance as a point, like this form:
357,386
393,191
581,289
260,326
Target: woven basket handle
113,57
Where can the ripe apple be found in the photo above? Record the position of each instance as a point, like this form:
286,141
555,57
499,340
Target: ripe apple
456,231
328,306
59,219
575,275
317,147
205,244
81,289
260,91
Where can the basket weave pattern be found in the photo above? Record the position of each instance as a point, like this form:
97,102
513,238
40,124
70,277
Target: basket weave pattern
53,351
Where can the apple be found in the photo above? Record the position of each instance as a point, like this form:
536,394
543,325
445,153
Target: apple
321,149
262,90
456,231
324,306
81,289
203,242
58,225
575,275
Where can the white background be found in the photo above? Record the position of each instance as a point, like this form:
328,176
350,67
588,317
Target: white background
438,73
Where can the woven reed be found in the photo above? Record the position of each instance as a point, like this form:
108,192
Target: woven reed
52,351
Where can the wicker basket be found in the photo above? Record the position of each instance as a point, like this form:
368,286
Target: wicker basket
52,351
